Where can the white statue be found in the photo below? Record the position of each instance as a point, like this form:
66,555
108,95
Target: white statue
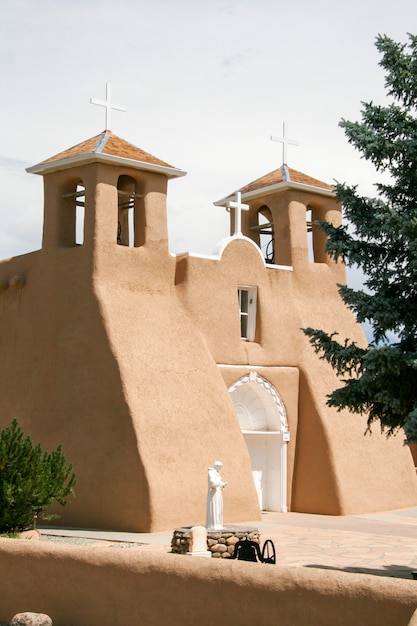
214,518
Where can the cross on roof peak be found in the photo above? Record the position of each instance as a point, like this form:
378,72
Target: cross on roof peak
285,143
107,104
238,207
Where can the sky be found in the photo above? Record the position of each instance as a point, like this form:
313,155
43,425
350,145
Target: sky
205,85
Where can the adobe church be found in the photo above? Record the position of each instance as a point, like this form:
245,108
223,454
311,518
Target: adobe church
148,366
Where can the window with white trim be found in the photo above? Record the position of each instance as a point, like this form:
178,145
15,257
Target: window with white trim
247,311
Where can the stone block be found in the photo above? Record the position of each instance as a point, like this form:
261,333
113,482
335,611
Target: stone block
198,539
31,619
32,534
231,541
219,548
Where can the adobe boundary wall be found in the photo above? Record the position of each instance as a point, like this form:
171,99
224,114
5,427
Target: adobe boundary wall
86,586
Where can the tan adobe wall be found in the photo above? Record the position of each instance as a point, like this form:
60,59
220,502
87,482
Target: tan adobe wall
96,586
330,450
60,379
129,391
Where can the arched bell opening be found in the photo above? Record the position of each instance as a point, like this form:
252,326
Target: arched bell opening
71,216
129,223
264,233
316,237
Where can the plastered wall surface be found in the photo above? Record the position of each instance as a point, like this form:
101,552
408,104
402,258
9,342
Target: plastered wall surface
78,586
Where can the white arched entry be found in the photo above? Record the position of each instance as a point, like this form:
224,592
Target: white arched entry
264,425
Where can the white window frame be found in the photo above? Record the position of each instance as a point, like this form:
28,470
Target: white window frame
250,313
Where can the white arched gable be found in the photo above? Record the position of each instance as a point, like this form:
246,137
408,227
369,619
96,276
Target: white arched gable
223,243
258,404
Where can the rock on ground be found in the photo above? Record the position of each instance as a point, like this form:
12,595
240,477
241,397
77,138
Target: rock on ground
31,619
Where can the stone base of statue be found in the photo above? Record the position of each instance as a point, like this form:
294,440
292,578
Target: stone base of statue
220,543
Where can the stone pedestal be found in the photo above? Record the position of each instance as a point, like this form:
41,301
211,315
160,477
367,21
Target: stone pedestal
220,543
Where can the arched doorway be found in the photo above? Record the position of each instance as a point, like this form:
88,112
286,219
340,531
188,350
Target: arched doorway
263,421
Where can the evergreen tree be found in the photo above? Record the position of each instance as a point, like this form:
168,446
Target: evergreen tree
30,481
381,238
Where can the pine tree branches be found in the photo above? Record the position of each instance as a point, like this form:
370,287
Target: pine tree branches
380,237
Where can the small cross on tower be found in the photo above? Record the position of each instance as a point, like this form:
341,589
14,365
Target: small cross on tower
238,207
107,105
285,142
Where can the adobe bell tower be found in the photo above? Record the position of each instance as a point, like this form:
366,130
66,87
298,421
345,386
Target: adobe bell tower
280,212
104,192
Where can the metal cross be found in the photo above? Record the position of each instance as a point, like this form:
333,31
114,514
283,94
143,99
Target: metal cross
108,105
285,142
238,207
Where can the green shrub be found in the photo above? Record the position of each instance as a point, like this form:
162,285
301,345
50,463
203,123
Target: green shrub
30,481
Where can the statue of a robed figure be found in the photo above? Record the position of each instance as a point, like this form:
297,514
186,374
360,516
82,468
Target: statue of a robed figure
214,517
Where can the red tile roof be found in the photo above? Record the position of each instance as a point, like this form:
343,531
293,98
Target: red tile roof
282,175
107,143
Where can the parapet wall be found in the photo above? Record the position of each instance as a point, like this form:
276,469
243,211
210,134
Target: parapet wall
85,586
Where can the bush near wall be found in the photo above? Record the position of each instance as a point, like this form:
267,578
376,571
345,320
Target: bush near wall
30,480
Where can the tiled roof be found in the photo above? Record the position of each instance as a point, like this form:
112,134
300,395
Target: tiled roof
280,179
107,143
285,174
106,148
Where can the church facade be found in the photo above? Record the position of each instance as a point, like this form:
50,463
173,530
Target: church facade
148,366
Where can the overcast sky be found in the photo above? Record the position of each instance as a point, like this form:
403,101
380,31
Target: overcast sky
205,84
